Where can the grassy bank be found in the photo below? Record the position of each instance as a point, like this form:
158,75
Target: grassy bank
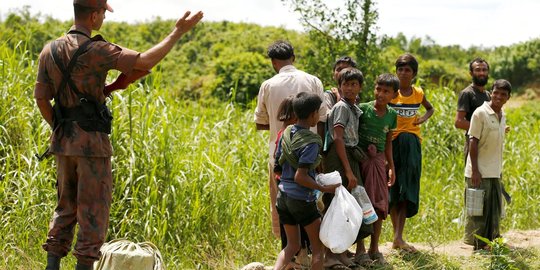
192,178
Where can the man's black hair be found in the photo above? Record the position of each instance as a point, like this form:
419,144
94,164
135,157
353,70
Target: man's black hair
388,79
502,84
305,103
281,50
477,60
407,60
350,74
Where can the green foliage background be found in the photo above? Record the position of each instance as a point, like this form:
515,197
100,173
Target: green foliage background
189,167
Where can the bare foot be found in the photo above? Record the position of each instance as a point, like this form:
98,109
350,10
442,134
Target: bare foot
403,246
344,259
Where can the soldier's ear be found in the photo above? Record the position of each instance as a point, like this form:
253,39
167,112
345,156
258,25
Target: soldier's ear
94,16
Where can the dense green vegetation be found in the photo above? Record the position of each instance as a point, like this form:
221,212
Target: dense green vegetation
218,57
190,169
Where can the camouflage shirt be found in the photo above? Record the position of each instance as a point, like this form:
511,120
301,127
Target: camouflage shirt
89,75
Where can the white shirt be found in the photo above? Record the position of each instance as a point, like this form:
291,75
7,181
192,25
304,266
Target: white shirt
486,127
289,81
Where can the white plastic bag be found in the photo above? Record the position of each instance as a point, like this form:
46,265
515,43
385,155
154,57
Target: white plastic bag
326,179
342,221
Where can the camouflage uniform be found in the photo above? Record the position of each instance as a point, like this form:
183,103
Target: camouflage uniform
84,177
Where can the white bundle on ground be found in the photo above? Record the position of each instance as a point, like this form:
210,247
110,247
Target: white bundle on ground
122,254
342,221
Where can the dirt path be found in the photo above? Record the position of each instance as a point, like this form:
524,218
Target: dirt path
521,239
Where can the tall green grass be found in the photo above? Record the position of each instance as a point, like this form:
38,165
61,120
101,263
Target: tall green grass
442,182
191,178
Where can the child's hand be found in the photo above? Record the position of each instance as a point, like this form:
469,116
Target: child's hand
329,188
372,150
353,182
391,177
419,121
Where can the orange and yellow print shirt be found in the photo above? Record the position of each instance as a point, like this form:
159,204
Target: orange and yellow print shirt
407,110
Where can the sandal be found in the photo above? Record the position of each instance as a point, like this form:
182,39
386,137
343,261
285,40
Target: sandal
378,258
303,259
363,260
294,266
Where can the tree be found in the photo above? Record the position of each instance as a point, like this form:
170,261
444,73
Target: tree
334,32
519,63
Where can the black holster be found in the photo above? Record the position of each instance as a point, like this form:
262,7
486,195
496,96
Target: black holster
90,115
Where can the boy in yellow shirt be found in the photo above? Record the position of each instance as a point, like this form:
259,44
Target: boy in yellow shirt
407,151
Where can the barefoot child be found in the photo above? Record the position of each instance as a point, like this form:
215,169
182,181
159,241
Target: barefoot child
343,153
375,138
287,116
405,194
298,155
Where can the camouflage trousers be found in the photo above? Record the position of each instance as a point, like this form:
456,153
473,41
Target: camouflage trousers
84,186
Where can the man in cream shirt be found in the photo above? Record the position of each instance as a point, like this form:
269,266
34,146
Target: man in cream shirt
484,164
288,81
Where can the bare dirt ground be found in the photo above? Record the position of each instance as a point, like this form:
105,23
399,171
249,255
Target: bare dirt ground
518,239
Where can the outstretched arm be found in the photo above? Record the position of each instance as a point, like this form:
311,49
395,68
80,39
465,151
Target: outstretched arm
152,56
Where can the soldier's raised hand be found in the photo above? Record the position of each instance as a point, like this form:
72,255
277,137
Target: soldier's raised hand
187,22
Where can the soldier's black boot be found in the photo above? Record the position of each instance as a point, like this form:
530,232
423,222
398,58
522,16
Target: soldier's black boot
80,266
53,262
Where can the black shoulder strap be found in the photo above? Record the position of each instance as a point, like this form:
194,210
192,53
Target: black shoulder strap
66,72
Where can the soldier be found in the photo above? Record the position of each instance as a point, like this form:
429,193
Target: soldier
72,71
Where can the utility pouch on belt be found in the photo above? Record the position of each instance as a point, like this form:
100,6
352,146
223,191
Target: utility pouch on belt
90,114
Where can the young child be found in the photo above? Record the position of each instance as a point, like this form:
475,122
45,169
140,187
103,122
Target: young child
405,194
343,154
484,163
287,117
298,156
375,138
332,95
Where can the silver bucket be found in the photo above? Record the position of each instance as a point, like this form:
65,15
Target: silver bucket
474,202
